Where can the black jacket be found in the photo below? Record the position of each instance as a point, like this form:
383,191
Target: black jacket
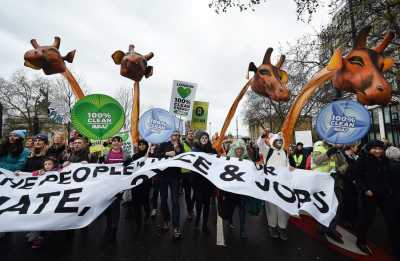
164,148
34,163
373,174
56,152
395,178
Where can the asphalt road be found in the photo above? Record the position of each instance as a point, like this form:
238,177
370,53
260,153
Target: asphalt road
150,243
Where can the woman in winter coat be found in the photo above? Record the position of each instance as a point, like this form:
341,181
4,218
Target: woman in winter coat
203,188
238,150
373,181
141,193
13,154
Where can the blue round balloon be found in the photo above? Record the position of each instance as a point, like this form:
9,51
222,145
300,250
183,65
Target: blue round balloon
156,125
343,122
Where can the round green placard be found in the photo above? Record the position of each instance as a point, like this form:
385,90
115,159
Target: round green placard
97,116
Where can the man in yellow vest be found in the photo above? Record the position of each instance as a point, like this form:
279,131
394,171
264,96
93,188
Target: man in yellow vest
187,179
298,158
330,159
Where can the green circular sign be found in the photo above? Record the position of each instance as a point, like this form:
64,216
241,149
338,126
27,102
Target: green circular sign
97,116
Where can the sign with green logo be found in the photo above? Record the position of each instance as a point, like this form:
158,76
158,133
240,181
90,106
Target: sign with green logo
97,116
183,94
199,115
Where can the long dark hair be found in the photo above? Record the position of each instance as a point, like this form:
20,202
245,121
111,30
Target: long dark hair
207,148
15,149
143,153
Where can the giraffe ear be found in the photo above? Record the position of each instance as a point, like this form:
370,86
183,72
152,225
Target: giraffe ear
388,63
252,68
117,56
336,61
284,77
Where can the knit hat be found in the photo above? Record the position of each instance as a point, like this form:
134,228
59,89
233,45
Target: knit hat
393,153
374,143
19,133
43,137
238,144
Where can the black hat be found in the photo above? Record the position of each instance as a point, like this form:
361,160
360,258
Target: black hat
374,143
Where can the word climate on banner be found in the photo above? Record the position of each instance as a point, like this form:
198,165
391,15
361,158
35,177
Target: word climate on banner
73,197
183,94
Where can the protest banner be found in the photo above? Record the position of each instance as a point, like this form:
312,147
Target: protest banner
97,116
73,197
199,115
183,94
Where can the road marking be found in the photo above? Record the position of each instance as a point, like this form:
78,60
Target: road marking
220,228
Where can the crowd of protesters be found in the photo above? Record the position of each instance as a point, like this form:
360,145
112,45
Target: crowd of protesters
365,180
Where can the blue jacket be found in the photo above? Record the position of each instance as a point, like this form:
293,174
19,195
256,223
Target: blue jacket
18,163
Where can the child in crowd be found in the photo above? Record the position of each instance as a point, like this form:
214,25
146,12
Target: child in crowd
49,164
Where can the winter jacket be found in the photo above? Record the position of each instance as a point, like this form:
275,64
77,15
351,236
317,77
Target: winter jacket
82,155
373,174
56,152
15,163
394,167
164,148
34,163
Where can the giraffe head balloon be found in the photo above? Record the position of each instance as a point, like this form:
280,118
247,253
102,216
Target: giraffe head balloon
270,80
133,65
361,71
47,58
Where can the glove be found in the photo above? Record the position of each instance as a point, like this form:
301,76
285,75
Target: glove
331,152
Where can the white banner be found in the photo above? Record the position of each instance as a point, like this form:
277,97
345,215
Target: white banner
182,97
75,196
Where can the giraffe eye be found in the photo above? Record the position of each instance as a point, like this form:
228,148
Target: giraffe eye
357,60
264,72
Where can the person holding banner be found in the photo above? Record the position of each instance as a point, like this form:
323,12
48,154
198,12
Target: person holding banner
80,153
115,155
237,149
170,179
140,194
203,188
188,176
275,156
330,159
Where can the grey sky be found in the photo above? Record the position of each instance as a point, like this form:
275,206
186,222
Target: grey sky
190,43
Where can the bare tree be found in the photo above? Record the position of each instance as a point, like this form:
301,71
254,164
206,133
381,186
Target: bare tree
124,97
24,98
62,100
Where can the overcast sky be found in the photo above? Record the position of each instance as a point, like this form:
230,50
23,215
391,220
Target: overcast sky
190,42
